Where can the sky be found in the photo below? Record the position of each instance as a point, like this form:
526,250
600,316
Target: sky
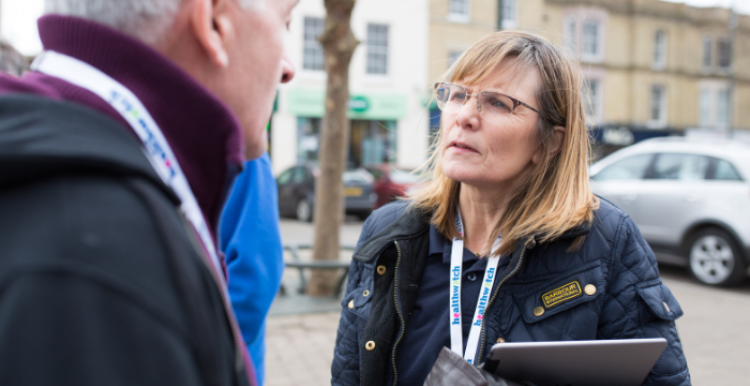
18,19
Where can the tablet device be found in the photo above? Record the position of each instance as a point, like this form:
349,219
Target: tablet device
579,363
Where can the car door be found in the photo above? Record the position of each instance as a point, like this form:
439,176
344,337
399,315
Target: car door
286,199
621,181
672,196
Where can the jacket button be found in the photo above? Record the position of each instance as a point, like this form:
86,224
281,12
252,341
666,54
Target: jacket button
381,269
369,346
351,303
366,293
539,311
589,289
666,306
500,340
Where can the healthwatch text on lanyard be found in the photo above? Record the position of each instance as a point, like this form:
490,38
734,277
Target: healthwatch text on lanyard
457,257
158,151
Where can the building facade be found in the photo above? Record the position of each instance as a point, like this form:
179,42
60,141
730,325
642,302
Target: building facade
651,67
387,79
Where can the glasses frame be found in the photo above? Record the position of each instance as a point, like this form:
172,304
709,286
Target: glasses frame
516,102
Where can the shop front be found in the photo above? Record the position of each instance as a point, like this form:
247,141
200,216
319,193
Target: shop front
373,136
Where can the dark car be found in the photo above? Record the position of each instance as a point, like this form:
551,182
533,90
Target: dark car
297,192
391,183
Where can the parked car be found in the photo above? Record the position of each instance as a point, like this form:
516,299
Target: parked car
297,191
689,199
391,182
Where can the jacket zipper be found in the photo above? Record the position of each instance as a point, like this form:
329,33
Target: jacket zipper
197,245
478,358
400,314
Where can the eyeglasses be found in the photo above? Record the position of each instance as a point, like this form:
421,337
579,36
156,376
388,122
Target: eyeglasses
493,106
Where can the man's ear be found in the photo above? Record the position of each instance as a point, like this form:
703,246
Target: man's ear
558,137
212,27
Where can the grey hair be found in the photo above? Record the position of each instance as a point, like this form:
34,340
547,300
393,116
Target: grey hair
146,20
11,61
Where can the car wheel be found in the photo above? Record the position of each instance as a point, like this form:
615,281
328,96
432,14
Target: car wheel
715,258
304,210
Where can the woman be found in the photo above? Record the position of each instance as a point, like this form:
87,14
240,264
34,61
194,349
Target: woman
507,236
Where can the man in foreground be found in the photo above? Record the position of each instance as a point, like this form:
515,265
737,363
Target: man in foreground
116,153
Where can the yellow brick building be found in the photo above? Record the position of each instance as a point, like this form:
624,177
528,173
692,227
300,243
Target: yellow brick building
652,67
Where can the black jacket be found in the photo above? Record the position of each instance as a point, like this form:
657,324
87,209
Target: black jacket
629,300
100,281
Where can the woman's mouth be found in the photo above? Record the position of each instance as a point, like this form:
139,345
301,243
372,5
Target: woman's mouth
462,147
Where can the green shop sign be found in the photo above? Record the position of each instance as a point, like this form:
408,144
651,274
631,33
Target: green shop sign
375,106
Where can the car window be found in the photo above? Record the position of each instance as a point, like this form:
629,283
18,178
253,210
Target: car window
299,175
631,168
684,167
359,176
285,177
403,177
725,171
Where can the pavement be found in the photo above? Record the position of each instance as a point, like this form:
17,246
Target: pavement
301,331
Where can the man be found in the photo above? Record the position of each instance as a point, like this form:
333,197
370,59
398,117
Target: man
250,237
116,153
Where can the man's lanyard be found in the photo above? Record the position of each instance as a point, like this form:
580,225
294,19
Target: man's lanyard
457,258
157,149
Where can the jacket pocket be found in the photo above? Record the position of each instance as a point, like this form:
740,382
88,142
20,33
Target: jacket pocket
558,293
659,299
358,299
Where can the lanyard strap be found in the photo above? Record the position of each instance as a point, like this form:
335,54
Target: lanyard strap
457,254
157,149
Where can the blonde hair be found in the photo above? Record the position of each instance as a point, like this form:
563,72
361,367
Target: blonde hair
556,196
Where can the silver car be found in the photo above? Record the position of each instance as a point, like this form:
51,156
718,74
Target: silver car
689,198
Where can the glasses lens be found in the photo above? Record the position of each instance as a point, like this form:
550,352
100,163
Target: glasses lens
450,97
494,107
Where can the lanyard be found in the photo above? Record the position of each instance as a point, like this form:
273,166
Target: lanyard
157,149
457,257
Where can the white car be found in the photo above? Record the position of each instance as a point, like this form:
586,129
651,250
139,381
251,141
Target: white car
690,199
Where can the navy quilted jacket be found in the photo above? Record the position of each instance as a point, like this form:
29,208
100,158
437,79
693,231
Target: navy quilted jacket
630,300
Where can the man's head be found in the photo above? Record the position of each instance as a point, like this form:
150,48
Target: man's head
235,48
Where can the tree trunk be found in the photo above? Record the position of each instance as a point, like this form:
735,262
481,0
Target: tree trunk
338,45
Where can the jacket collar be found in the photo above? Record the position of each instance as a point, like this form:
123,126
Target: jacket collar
408,225
204,134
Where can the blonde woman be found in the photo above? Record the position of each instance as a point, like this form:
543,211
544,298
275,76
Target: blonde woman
507,220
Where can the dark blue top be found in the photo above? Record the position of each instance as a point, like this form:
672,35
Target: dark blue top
428,329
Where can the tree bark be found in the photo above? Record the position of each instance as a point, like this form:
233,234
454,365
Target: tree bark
338,45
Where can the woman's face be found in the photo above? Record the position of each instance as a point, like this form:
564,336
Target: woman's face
497,153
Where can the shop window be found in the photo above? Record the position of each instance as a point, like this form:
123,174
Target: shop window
510,13
312,58
593,95
372,142
660,50
459,11
704,107
722,107
377,49
658,113
308,135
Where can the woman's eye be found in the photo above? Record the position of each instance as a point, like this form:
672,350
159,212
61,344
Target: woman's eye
497,103
458,96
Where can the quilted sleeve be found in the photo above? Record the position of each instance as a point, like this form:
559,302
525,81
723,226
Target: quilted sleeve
638,305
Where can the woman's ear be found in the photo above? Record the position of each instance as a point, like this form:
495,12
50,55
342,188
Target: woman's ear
558,137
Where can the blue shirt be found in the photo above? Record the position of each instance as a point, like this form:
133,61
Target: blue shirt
428,330
250,238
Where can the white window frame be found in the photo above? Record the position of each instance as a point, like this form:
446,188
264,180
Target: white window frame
306,44
661,121
705,107
713,91
510,8
383,51
574,23
660,50
456,17
723,104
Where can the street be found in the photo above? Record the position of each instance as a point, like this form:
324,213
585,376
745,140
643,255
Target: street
300,345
